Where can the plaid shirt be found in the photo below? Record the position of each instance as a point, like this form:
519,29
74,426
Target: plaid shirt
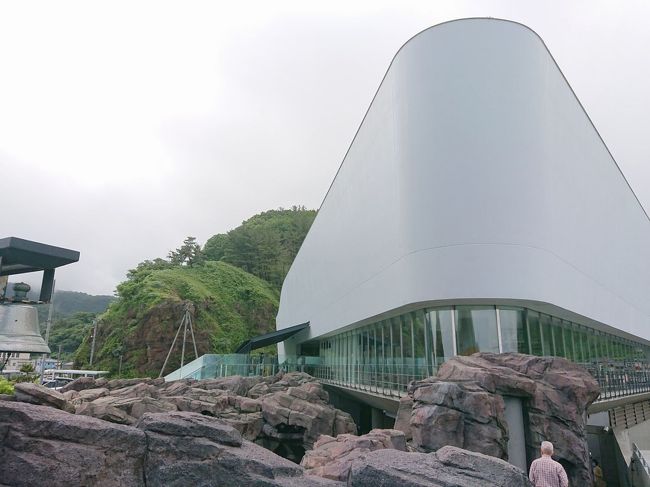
546,472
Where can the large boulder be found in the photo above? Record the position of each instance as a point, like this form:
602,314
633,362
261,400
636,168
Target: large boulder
45,446
192,449
448,467
463,406
285,413
303,411
80,384
332,457
38,394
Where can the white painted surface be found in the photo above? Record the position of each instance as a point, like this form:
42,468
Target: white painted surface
475,175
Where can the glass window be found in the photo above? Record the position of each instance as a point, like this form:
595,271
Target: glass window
547,336
536,346
476,329
568,340
558,339
421,347
514,335
577,343
440,322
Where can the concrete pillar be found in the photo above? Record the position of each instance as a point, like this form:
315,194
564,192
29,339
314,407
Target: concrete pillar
377,418
517,443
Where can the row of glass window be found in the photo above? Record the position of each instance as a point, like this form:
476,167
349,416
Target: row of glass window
424,339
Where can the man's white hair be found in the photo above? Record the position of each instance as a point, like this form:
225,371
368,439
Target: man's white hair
547,447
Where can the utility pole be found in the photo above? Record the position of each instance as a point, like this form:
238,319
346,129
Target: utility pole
186,322
92,347
48,323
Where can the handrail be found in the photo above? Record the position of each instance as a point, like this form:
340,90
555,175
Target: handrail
641,459
615,379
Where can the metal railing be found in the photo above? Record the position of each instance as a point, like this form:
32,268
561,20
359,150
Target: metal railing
615,380
386,379
640,467
620,381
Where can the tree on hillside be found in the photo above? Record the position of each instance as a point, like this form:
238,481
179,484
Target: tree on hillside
215,247
265,244
187,254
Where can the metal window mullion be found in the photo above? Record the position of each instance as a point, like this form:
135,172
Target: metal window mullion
530,345
412,369
496,310
453,331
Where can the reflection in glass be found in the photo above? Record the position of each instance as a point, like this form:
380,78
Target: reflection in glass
536,346
476,330
441,327
514,335
547,335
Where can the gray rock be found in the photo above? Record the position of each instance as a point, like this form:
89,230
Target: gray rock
448,467
463,406
45,446
90,394
190,449
106,412
38,394
80,384
190,424
332,458
303,409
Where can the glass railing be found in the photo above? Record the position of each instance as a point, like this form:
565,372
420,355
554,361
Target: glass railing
210,366
388,379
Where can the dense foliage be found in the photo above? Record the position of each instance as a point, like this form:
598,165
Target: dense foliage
232,284
230,306
68,333
264,245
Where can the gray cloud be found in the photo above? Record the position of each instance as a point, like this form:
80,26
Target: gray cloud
126,127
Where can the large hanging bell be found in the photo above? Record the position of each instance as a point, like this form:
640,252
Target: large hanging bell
19,330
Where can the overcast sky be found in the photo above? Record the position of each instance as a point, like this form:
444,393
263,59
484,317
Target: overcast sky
126,126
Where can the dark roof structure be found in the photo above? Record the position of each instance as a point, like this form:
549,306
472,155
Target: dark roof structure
270,338
18,256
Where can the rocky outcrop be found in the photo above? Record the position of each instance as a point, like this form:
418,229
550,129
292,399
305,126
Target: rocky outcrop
46,446
448,467
463,406
287,418
332,458
38,394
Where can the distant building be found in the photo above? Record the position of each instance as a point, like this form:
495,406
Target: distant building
477,209
15,362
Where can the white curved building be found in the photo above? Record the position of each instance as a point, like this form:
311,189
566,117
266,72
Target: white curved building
476,209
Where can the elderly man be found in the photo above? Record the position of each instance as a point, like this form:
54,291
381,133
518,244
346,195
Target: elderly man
546,472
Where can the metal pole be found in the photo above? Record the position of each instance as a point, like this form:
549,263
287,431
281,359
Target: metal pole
184,338
189,318
92,347
48,323
119,371
170,350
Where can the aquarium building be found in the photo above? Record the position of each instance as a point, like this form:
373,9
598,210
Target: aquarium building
477,209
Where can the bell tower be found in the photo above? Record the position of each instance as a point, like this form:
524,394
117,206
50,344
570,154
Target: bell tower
19,330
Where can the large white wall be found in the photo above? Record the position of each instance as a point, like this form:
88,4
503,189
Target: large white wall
475,174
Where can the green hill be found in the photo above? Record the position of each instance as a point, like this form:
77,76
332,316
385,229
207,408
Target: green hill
265,244
228,304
